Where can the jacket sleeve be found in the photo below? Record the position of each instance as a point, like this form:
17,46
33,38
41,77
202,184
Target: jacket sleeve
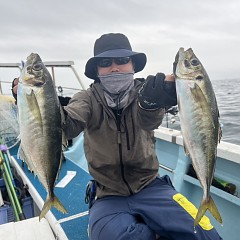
77,114
150,119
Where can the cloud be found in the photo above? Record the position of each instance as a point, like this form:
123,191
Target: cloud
66,30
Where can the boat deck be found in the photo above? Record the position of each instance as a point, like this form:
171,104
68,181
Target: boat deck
67,226
173,162
35,230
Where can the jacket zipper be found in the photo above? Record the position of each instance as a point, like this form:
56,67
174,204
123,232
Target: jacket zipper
120,150
127,136
118,123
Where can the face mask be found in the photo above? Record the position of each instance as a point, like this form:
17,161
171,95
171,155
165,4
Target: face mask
116,88
115,83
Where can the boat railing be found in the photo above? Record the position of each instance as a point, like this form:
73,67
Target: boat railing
228,151
174,162
52,65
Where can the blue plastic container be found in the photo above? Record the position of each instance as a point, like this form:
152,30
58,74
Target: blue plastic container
2,183
6,214
3,214
6,211
27,207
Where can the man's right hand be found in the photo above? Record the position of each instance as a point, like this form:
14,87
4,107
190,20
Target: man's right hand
63,100
15,85
15,88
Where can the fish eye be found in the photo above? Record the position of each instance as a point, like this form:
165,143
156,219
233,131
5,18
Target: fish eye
37,66
195,62
199,77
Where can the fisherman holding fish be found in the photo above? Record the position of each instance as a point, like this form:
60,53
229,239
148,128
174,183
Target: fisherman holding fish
118,115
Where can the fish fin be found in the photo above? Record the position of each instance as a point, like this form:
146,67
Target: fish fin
219,128
185,149
64,142
179,105
64,146
207,205
63,120
21,155
175,63
60,165
34,107
64,139
199,97
22,64
219,134
51,202
57,176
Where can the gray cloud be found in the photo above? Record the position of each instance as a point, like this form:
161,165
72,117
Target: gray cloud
66,30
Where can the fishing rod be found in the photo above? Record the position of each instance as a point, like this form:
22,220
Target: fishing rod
9,182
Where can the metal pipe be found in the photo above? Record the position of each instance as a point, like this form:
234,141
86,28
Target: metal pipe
53,75
166,168
78,78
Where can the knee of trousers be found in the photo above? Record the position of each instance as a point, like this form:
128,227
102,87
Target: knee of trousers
135,231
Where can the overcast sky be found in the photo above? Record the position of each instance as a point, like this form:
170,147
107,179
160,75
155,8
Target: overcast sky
66,30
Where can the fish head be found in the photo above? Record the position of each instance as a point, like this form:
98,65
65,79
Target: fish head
34,72
187,66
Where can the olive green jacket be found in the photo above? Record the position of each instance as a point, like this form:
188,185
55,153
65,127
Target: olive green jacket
121,159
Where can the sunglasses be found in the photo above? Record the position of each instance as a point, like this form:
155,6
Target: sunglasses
107,62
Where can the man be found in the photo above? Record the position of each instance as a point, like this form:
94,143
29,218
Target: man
118,115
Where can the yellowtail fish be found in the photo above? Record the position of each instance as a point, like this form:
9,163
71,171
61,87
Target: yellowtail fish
40,122
199,118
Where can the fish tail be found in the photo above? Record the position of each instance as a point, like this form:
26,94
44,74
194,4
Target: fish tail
207,205
214,211
51,202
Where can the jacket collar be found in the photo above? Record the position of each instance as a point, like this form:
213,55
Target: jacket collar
99,93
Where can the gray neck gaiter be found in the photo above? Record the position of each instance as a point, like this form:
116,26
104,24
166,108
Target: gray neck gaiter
116,87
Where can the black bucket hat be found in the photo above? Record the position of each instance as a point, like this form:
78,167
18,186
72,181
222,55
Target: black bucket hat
113,45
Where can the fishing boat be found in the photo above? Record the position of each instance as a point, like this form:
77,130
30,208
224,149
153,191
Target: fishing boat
74,177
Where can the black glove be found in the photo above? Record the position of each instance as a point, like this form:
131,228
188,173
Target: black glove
157,93
64,100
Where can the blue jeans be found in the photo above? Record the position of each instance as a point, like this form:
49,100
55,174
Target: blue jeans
153,210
